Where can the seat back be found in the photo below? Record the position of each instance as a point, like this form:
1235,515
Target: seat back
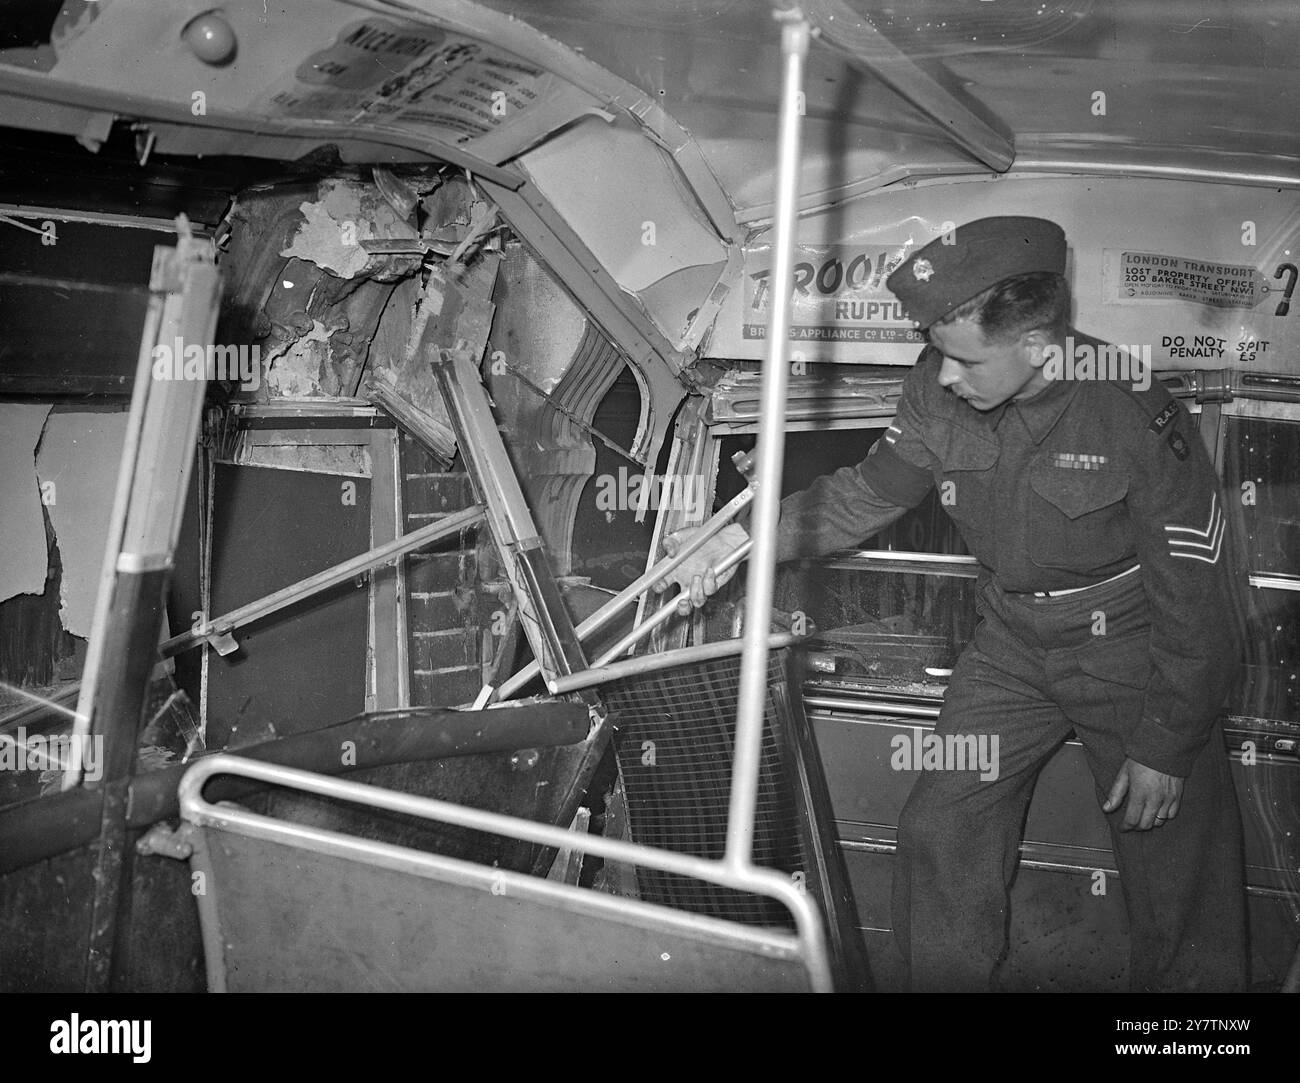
287,907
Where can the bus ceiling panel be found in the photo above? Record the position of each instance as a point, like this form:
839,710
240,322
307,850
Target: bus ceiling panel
344,71
1210,83
680,148
1203,81
1185,275
624,198
384,82
926,85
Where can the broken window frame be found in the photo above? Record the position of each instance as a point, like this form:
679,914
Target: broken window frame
1212,399
728,412
342,424
80,389
865,417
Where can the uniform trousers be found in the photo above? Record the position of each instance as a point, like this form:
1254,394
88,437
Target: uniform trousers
1037,669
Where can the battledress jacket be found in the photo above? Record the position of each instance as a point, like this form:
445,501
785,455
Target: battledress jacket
1065,489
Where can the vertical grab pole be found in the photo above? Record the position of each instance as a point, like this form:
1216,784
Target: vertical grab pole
771,454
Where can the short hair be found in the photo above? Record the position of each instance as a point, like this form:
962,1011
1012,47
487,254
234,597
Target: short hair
1005,311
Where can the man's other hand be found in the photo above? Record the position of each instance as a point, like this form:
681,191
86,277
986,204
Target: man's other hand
1153,796
696,575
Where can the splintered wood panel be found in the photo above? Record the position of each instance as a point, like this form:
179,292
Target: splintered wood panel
303,667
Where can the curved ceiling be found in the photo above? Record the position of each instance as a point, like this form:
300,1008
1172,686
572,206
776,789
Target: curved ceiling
1198,85
631,142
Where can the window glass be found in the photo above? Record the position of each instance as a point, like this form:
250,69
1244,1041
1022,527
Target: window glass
1261,470
885,624
1269,686
808,455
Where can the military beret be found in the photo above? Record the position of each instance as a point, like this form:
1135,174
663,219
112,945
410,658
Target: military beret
939,277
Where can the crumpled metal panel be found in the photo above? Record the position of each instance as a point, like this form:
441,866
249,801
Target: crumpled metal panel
1202,88
624,198
451,77
548,369
312,326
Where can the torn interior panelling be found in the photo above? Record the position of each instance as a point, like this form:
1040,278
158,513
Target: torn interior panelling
79,457
318,330
459,311
398,384
549,369
313,326
22,526
299,367
334,225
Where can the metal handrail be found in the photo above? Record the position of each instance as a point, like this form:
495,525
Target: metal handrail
665,612
632,591
322,580
760,581
652,663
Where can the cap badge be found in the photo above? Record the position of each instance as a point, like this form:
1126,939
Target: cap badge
922,270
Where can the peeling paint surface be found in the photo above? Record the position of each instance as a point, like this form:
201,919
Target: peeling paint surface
80,454
22,527
335,225
302,368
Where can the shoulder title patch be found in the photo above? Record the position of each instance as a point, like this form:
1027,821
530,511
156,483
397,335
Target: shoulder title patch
1162,419
1178,445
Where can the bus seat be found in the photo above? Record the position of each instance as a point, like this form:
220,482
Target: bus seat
287,907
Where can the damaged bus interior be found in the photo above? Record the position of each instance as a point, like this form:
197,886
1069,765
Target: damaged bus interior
357,357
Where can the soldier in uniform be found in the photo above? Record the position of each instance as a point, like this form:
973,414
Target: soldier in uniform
1107,608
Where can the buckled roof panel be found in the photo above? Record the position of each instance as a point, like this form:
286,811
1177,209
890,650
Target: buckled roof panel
631,142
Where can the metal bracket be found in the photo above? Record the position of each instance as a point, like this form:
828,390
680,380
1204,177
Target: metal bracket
1211,386
223,643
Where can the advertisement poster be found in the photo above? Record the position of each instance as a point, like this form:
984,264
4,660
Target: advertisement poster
1256,302
378,69
838,294
1197,276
